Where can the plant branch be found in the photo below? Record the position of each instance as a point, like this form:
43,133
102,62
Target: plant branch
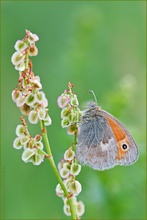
52,163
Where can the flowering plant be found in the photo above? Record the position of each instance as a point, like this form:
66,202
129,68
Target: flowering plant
33,104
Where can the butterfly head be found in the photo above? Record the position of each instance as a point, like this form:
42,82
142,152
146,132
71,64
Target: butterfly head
92,105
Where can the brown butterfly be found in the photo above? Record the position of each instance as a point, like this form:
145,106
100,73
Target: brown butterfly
103,141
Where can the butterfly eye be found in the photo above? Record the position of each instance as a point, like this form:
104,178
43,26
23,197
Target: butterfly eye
124,146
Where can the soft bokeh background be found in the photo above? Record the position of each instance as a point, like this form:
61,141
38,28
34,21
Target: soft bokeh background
98,45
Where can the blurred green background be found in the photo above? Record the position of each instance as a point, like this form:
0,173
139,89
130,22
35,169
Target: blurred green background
98,45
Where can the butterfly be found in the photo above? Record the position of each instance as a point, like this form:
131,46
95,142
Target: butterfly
103,141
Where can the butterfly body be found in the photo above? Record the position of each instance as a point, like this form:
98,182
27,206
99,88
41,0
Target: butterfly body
103,141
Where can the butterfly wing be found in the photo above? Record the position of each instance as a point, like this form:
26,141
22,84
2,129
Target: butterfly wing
103,142
127,151
96,146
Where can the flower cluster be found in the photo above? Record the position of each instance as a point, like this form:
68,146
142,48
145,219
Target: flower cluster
27,95
33,147
32,102
70,113
69,169
24,48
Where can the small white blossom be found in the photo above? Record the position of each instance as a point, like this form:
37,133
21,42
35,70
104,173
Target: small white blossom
59,190
47,120
66,210
75,168
80,208
75,187
31,99
41,113
17,58
17,143
33,117
20,130
69,154
20,45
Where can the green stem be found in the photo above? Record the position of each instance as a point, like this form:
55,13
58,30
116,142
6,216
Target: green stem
52,163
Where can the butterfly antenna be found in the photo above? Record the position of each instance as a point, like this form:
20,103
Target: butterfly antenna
92,92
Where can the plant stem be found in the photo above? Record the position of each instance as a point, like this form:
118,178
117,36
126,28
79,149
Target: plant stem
52,163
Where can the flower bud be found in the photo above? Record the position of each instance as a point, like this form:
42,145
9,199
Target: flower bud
41,113
15,95
27,154
25,109
31,99
72,129
75,187
20,130
24,140
37,159
17,58
66,210
40,96
21,100
64,173
60,164
72,117
17,144
32,37
65,112
33,51
80,208
20,45
59,191
47,120
75,168
74,101
69,154
65,122
20,66
37,84
63,100
66,165
33,117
